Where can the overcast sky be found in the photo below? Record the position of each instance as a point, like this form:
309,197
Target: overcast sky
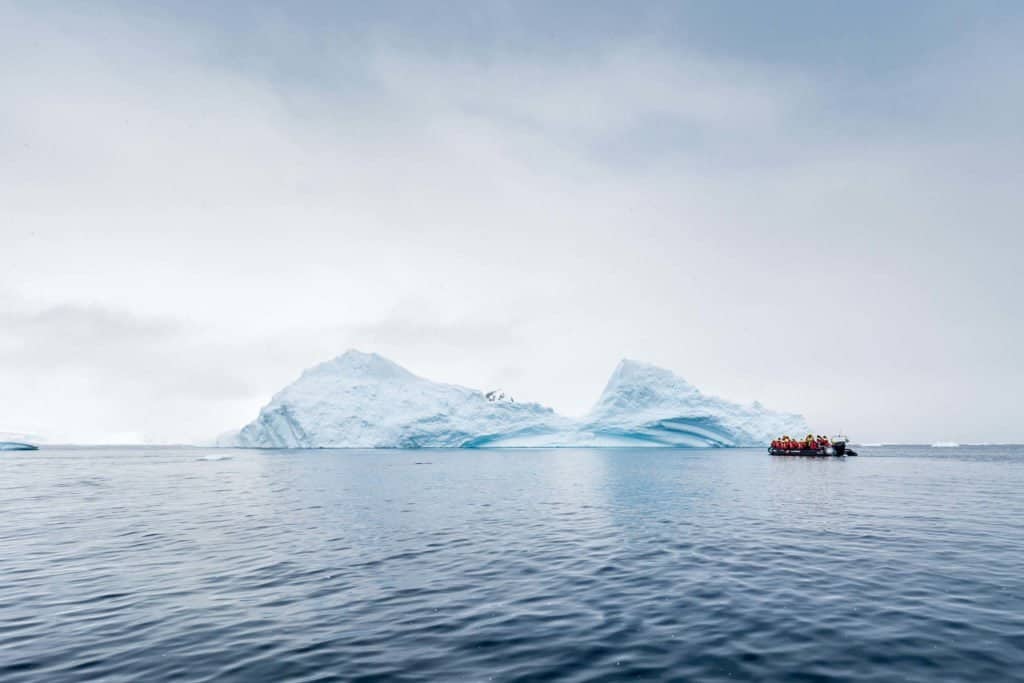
816,204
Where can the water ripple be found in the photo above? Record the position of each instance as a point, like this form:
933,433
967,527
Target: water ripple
577,565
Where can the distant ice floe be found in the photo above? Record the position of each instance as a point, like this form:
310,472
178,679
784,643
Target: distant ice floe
17,446
945,444
213,457
362,400
20,441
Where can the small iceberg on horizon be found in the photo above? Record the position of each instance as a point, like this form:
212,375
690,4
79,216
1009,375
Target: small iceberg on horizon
945,444
17,446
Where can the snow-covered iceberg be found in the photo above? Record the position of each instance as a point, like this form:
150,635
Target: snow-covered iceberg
361,400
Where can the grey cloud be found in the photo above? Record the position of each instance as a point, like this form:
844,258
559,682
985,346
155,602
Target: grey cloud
273,196
117,348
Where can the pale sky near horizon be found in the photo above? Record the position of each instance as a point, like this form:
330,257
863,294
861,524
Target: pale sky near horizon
812,204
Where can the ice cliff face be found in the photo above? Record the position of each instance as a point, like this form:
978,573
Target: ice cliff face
361,400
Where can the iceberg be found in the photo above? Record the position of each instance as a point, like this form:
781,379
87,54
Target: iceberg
648,404
17,446
362,400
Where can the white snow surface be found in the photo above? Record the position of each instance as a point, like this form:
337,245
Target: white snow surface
362,400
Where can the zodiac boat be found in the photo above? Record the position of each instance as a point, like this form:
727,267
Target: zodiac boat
835,448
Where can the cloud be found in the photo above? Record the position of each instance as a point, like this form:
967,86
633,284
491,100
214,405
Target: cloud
73,334
192,213
88,373
601,94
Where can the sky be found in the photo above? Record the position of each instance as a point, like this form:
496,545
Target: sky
812,204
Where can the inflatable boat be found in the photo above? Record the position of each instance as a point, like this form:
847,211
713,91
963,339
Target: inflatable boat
837,449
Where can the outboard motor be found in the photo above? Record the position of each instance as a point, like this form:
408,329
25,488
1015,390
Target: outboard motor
840,447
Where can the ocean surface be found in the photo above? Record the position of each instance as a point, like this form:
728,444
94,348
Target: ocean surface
187,564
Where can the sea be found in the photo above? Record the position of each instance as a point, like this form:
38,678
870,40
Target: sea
905,563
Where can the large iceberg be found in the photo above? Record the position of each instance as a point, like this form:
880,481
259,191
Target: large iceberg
361,400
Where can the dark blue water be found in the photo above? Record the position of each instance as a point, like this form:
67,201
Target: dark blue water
578,565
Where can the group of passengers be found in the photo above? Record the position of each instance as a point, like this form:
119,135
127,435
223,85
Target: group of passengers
811,441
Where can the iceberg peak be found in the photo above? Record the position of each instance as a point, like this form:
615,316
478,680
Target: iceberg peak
637,385
354,363
635,373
